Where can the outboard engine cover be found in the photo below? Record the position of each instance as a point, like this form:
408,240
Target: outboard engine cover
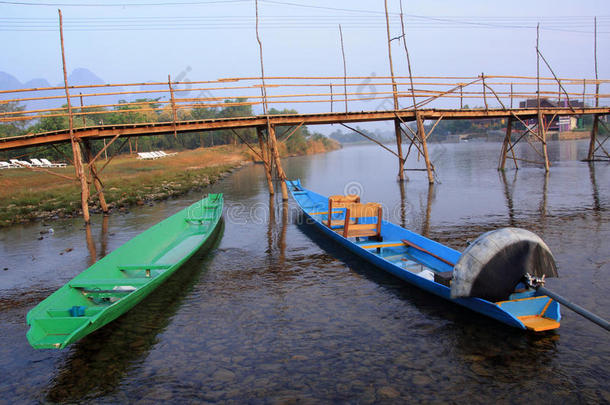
493,265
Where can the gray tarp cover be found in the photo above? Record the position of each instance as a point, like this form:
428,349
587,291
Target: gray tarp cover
496,261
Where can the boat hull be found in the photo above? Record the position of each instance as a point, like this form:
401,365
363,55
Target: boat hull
120,280
312,204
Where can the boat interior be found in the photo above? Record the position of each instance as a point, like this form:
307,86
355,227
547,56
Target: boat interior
113,278
362,225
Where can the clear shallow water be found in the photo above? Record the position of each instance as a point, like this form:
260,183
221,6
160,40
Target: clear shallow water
276,313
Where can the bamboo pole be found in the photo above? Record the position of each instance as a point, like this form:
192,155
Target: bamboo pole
260,48
278,163
511,96
265,156
397,131
484,92
590,154
509,128
461,97
331,97
595,58
422,135
78,165
173,104
81,110
541,130
344,68
369,138
593,137
94,176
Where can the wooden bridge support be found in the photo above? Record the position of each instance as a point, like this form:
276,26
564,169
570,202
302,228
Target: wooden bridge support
76,151
401,160
542,135
505,144
276,158
594,129
266,162
95,177
422,137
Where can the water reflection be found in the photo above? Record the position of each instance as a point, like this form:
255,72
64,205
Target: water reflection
430,196
98,362
508,194
594,189
90,245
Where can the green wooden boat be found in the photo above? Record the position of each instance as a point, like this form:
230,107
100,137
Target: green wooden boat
120,280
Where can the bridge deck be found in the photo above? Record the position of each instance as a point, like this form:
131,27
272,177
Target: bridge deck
145,129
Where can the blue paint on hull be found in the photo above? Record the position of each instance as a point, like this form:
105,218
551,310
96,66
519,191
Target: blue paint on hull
311,203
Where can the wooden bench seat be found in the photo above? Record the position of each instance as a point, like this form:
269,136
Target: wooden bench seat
355,212
337,204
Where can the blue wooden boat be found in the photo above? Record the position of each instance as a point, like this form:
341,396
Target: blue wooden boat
420,261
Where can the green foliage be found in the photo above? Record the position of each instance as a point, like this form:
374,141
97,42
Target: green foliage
148,110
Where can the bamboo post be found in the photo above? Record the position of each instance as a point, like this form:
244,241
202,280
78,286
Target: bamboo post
484,91
397,132
461,97
541,128
78,164
94,176
278,163
594,130
584,92
422,135
595,117
595,58
81,110
509,128
331,97
260,49
173,104
265,156
511,95
344,68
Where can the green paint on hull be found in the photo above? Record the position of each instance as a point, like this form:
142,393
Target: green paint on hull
120,280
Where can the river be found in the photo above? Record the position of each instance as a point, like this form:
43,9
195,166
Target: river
275,313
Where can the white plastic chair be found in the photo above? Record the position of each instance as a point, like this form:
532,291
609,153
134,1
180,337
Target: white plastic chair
49,164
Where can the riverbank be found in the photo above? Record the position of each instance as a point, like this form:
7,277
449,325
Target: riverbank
35,195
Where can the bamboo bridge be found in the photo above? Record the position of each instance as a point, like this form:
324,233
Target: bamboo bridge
528,104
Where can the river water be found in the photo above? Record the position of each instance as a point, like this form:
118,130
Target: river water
275,313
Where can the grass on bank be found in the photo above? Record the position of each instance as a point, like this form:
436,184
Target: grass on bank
27,194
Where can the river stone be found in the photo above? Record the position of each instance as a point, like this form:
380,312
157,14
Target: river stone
388,392
420,379
223,375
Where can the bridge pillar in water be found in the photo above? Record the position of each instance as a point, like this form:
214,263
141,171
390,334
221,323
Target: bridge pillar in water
422,134
505,144
277,160
95,178
80,175
266,160
590,154
397,131
542,136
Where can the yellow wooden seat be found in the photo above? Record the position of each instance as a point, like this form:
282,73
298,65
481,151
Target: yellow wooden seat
354,212
339,201
538,323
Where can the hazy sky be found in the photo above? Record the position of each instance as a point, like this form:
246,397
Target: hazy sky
214,39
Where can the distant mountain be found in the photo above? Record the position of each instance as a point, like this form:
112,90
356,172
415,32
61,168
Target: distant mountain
36,83
9,82
82,77
78,77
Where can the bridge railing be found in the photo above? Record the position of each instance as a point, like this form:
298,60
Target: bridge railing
93,105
